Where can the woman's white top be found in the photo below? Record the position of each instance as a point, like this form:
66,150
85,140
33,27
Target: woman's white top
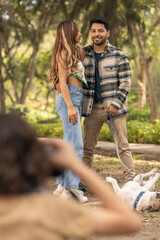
79,73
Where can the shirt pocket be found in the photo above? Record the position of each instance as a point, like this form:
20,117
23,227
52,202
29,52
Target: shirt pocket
110,71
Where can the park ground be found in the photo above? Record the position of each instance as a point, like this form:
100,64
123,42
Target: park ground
106,164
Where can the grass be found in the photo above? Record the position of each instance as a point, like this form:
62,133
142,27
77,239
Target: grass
106,165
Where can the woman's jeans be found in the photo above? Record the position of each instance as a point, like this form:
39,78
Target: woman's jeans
71,133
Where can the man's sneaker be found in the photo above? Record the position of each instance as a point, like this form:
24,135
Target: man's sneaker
82,187
79,195
59,190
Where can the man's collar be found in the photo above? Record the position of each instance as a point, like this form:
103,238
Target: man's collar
108,47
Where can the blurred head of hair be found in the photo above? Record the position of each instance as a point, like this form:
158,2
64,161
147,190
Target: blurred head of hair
23,162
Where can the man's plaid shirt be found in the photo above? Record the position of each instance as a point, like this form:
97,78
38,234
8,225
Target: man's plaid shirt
115,79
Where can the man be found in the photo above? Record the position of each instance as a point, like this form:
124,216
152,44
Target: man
108,75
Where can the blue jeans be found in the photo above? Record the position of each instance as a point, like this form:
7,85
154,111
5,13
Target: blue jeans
71,133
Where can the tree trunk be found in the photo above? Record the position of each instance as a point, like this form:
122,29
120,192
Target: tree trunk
2,94
152,93
145,61
28,76
142,86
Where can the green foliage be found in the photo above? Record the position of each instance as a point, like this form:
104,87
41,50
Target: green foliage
143,132
36,115
105,134
20,109
132,97
135,111
49,130
138,132
141,129
139,113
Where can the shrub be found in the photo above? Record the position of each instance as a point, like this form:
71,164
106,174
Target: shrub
143,132
105,134
138,132
140,128
49,130
35,115
139,113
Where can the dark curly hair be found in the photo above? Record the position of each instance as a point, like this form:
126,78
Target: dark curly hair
23,162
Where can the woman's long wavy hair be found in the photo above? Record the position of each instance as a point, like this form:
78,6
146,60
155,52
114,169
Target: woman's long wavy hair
66,41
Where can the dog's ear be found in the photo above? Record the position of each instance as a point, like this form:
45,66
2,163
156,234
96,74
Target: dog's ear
155,203
158,195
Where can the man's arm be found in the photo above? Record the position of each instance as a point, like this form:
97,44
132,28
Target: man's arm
124,75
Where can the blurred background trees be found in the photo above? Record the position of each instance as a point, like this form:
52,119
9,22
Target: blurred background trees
27,33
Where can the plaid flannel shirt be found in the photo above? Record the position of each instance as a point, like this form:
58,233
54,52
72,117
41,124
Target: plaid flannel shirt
115,79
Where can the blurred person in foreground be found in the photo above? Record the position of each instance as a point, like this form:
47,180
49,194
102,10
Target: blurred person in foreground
29,212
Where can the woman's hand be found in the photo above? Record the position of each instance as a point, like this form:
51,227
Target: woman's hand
72,115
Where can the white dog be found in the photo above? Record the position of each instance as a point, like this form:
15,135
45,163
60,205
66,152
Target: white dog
138,193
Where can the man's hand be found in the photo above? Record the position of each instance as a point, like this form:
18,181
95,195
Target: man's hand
112,110
58,88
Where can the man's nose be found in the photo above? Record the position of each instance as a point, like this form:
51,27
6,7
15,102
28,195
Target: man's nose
97,33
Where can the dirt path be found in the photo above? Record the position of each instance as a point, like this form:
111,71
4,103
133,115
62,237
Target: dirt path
106,166
150,227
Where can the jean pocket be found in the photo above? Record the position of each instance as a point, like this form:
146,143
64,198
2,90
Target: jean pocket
77,100
76,93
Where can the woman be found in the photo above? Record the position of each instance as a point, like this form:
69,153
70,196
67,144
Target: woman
29,212
68,70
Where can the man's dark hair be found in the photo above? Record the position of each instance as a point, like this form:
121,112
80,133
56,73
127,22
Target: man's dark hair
101,20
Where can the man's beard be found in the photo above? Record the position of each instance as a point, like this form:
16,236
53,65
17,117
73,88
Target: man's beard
101,42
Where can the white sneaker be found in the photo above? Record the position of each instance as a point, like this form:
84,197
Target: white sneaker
66,194
59,190
79,194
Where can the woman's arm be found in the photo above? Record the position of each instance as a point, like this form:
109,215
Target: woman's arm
116,217
62,73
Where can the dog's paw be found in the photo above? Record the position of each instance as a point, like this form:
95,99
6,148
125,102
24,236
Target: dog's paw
154,170
110,180
157,175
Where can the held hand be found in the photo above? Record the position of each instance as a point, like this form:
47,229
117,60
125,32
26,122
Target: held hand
81,53
72,115
112,110
58,88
